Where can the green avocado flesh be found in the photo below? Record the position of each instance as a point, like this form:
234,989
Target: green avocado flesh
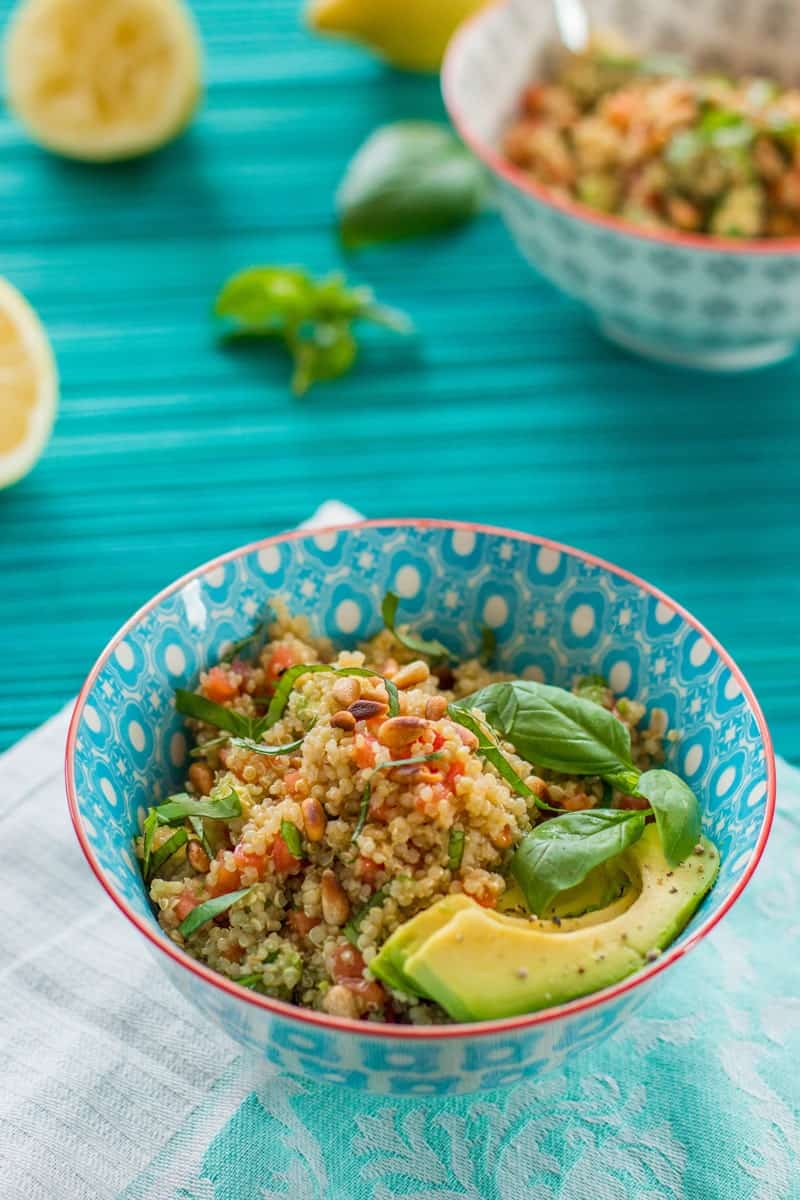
480,965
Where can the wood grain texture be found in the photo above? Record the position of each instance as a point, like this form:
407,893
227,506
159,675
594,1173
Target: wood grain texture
506,407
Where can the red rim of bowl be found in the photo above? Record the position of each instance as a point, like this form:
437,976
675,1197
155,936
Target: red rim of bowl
573,208
292,1012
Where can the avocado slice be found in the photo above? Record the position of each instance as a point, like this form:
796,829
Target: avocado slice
480,965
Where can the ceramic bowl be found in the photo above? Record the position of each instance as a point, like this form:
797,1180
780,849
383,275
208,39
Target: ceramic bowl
714,303
557,612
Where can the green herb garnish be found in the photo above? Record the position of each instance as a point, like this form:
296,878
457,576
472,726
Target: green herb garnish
429,648
488,749
173,843
177,808
191,704
353,926
312,318
209,910
677,812
211,744
293,838
386,766
251,981
455,848
148,829
258,635
199,829
561,852
290,677
408,178
267,751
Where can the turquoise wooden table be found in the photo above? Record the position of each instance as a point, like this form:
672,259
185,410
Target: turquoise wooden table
506,407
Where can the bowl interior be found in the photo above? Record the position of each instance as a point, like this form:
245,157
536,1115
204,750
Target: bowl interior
511,44
556,613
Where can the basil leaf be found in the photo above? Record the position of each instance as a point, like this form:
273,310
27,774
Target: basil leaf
561,852
293,838
455,848
323,352
386,766
408,178
211,908
211,744
250,981
199,829
418,645
353,926
290,677
266,298
191,704
494,755
148,829
179,838
267,751
552,728
177,808
677,812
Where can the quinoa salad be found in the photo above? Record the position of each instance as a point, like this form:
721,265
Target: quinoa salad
332,797
647,139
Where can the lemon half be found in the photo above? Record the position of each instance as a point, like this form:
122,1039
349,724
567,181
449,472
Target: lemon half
408,33
101,80
28,386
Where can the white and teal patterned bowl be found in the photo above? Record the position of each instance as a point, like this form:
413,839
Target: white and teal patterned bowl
556,612
714,303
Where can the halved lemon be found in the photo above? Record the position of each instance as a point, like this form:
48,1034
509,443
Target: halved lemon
101,80
28,386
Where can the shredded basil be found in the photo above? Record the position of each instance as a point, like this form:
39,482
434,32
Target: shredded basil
353,926
173,843
418,645
250,981
267,751
289,679
293,838
177,808
211,744
386,766
455,848
148,829
191,704
200,831
209,910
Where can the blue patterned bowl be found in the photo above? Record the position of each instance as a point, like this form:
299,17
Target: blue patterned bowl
556,612
714,303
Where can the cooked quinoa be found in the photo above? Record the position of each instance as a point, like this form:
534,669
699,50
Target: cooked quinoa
644,138
374,844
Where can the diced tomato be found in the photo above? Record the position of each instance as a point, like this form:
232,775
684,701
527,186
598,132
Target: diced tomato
367,870
364,750
454,771
438,740
218,686
346,963
285,861
186,902
291,779
486,899
246,858
300,923
226,878
280,660
370,993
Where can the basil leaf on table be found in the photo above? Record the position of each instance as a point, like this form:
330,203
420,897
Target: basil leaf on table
552,728
408,178
209,910
560,853
677,812
427,647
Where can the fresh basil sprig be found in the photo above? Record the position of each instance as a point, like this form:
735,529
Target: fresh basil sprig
293,838
177,808
363,808
428,648
171,846
561,852
455,848
553,728
408,178
266,751
290,678
313,318
192,704
209,910
677,812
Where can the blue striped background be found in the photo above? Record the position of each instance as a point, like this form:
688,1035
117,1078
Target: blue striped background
505,408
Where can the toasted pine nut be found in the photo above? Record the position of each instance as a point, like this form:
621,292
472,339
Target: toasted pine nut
377,693
314,819
343,720
198,859
335,904
401,731
365,710
346,690
436,708
340,1002
412,674
389,668
201,777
